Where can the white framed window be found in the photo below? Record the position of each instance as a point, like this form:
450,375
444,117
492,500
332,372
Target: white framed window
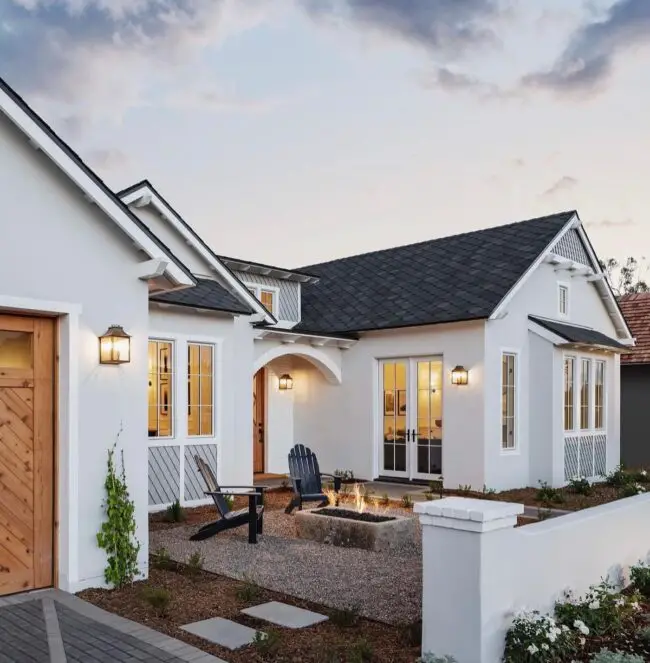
268,295
200,389
585,394
563,298
599,395
161,389
569,382
508,401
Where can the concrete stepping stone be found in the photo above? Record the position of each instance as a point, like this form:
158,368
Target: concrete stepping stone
222,632
285,615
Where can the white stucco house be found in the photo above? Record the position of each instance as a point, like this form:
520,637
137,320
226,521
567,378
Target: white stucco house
490,358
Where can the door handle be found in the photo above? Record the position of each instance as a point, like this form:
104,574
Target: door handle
414,435
408,435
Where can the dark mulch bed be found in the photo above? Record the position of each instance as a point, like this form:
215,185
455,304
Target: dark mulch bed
205,595
353,515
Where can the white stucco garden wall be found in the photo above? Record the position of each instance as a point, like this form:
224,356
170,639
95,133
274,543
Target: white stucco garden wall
60,253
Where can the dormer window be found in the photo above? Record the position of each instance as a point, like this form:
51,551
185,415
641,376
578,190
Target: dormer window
267,295
563,299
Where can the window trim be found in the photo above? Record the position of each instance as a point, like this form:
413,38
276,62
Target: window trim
567,286
603,362
213,349
577,389
590,388
573,428
160,338
515,449
273,289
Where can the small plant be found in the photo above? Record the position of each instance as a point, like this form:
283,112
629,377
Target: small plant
194,564
465,489
488,493
161,559
544,514
175,513
344,475
618,478
537,638
606,656
630,490
642,476
230,500
117,533
580,486
384,500
345,617
640,577
248,591
436,486
430,496
432,658
407,501
361,652
268,643
548,495
158,598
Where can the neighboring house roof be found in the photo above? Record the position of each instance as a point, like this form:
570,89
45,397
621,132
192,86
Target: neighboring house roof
463,277
43,137
577,335
206,294
144,193
636,309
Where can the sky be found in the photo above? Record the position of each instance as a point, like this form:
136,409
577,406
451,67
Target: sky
297,131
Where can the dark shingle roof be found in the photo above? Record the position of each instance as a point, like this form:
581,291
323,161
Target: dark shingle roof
206,294
575,334
636,309
463,277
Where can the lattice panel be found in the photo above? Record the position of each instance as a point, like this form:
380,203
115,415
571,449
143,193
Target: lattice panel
571,458
194,487
570,246
586,455
600,455
164,475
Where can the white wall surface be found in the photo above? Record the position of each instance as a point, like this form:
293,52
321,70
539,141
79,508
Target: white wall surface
56,246
544,407
479,570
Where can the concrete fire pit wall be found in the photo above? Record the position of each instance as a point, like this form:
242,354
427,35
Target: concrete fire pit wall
348,533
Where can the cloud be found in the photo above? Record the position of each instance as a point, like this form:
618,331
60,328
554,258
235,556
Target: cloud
97,58
563,184
608,223
452,82
107,159
443,27
587,62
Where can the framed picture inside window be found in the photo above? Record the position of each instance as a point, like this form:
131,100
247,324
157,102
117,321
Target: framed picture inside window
401,403
389,403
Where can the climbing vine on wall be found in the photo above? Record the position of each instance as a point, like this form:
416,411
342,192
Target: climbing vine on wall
117,533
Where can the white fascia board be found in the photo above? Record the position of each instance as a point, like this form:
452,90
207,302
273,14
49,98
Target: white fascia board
145,196
93,192
503,304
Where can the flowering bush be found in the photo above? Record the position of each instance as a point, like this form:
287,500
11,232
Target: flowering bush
600,611
606,656
536,638
640,577
631,489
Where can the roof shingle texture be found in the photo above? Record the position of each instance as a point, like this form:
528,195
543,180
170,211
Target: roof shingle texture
463,277
575,334
636,309
206,294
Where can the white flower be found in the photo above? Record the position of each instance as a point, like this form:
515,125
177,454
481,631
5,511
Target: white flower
643,473
533,649
582,642
635,606
565,628
619,602
545,647
581,626
594,605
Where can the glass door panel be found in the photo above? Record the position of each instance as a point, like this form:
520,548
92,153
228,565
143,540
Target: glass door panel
395,418
428,435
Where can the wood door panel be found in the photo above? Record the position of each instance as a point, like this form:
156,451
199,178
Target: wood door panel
259,420
26,455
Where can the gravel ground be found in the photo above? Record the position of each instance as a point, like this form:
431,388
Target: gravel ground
382,586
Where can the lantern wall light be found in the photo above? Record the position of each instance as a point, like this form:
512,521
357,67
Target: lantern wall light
115,346
459,375
285,382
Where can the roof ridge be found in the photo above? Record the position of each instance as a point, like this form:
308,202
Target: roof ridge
567,213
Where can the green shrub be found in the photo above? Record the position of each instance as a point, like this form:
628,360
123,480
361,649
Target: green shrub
488,493
642,476
267,644
465,489
194,564
436,486
544,514
618,478
161,559
429,495
606,656
158,598
407,501
548,495
175,513
361,652
248,590
537,638
640,577
645,634
345,617
630,490
580,486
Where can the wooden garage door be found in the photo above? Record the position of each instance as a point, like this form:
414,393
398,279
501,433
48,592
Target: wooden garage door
26,453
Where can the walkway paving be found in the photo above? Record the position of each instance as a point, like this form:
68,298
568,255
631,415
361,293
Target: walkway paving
54,627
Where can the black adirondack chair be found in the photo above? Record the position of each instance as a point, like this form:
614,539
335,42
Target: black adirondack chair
253,515
306,478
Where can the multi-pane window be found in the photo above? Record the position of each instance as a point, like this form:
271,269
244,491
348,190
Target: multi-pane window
599,394
563,297
200,394
508,400
161,392
266,295
585,392
569,373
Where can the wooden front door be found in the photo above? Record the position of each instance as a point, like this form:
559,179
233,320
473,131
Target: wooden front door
259,419
26,453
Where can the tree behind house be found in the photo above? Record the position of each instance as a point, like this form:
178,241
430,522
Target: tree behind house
626,278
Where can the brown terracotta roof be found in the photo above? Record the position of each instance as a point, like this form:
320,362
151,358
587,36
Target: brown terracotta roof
636,309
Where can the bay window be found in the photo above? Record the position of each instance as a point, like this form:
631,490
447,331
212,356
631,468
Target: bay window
584,394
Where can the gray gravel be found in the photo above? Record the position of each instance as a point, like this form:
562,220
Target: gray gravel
382,586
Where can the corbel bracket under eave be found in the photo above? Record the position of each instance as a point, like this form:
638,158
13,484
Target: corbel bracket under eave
152,269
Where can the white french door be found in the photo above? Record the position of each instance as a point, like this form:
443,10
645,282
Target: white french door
411,418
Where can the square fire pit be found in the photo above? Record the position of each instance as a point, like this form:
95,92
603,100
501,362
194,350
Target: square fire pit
350,529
